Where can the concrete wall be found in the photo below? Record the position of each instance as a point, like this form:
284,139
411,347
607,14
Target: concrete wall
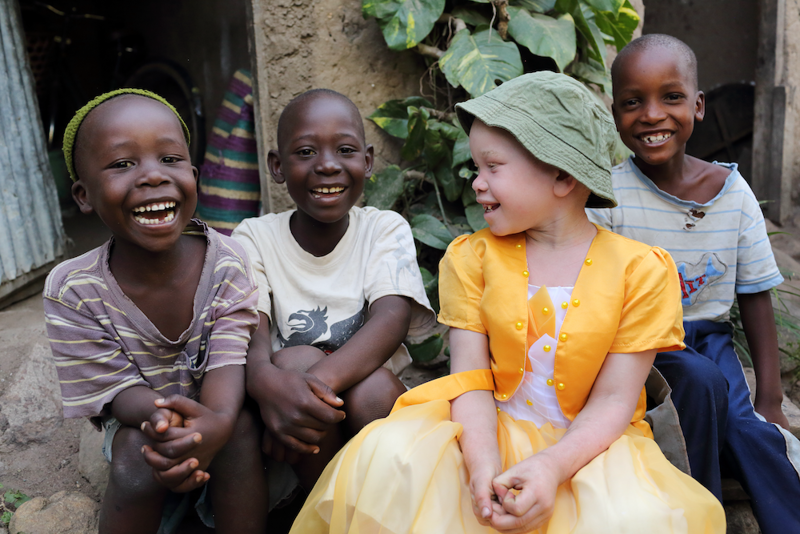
722,33
304,44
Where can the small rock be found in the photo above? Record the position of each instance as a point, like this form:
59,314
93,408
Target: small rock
91,462
740,518
63,513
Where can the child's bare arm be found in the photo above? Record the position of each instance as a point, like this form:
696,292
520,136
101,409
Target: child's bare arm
476,412
602,421
370,347
758,321
295,407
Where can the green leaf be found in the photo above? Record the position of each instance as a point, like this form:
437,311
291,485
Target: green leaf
431,231
537,6
431,284
404,23
384,188
593,72
466,173
473,210
392,116
451,183
461,153
586,24
470,16
417,126
474,62
620,27
612,6
544,35
447,130
6,517
427,350
435,149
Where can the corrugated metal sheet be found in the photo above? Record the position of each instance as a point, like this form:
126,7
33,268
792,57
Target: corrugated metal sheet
31,232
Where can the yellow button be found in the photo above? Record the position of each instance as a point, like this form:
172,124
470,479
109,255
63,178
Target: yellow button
549,381
588,261
498,410
546,348
525,273
545,310
519,326
563,337
561,386
519,245
529,402
503,396
576,303
521,370
564,305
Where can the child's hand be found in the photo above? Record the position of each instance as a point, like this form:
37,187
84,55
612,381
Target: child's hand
163,419
297,408
203,434
484,500
771,411
535,483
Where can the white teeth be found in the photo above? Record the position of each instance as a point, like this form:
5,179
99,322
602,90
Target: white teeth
154,207
656,138
142,220
327,190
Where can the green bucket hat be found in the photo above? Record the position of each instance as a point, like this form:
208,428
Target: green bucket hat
559,121
74,125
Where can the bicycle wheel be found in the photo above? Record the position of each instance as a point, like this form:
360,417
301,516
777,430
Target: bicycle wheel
171,81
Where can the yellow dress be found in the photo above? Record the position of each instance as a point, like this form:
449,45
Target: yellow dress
406,474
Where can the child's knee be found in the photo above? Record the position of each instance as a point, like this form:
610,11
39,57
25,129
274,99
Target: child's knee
373,397
129,472
299,358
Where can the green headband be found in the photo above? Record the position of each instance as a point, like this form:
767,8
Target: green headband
71,133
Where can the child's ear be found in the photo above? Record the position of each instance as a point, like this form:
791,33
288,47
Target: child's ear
81,198
274,165
196,174
564,184
700,106
369,160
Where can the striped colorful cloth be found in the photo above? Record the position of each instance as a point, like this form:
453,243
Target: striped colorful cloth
230,189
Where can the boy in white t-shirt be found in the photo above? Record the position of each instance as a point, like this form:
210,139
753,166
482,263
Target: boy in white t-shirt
340,290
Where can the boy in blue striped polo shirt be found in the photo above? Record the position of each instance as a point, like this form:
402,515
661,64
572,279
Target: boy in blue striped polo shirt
708,219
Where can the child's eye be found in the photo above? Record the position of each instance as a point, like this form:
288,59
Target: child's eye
347,150
305,152
674,96
629,102
121,164
170,159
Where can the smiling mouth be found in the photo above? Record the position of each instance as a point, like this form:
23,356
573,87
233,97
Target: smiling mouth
154,213
652,139
327,192
488,208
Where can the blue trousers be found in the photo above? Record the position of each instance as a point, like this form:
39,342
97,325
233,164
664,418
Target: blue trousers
722,431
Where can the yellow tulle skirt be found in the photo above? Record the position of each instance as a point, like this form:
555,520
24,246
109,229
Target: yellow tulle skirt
406,474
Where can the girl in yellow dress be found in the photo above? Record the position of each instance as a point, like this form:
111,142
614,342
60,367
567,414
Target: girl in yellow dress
554,327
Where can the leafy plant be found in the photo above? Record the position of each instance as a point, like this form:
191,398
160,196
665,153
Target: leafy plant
12,500
472,46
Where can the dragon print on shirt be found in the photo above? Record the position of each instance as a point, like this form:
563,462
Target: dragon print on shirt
309,327
696,277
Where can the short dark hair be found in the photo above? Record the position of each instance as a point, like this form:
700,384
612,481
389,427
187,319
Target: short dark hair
658,40
310,95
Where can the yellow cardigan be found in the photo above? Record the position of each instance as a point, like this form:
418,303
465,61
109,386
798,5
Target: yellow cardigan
626,299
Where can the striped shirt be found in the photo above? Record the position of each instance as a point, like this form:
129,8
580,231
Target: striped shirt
102,343
720,248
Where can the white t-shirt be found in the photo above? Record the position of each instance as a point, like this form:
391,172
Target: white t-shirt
720,248
323,301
